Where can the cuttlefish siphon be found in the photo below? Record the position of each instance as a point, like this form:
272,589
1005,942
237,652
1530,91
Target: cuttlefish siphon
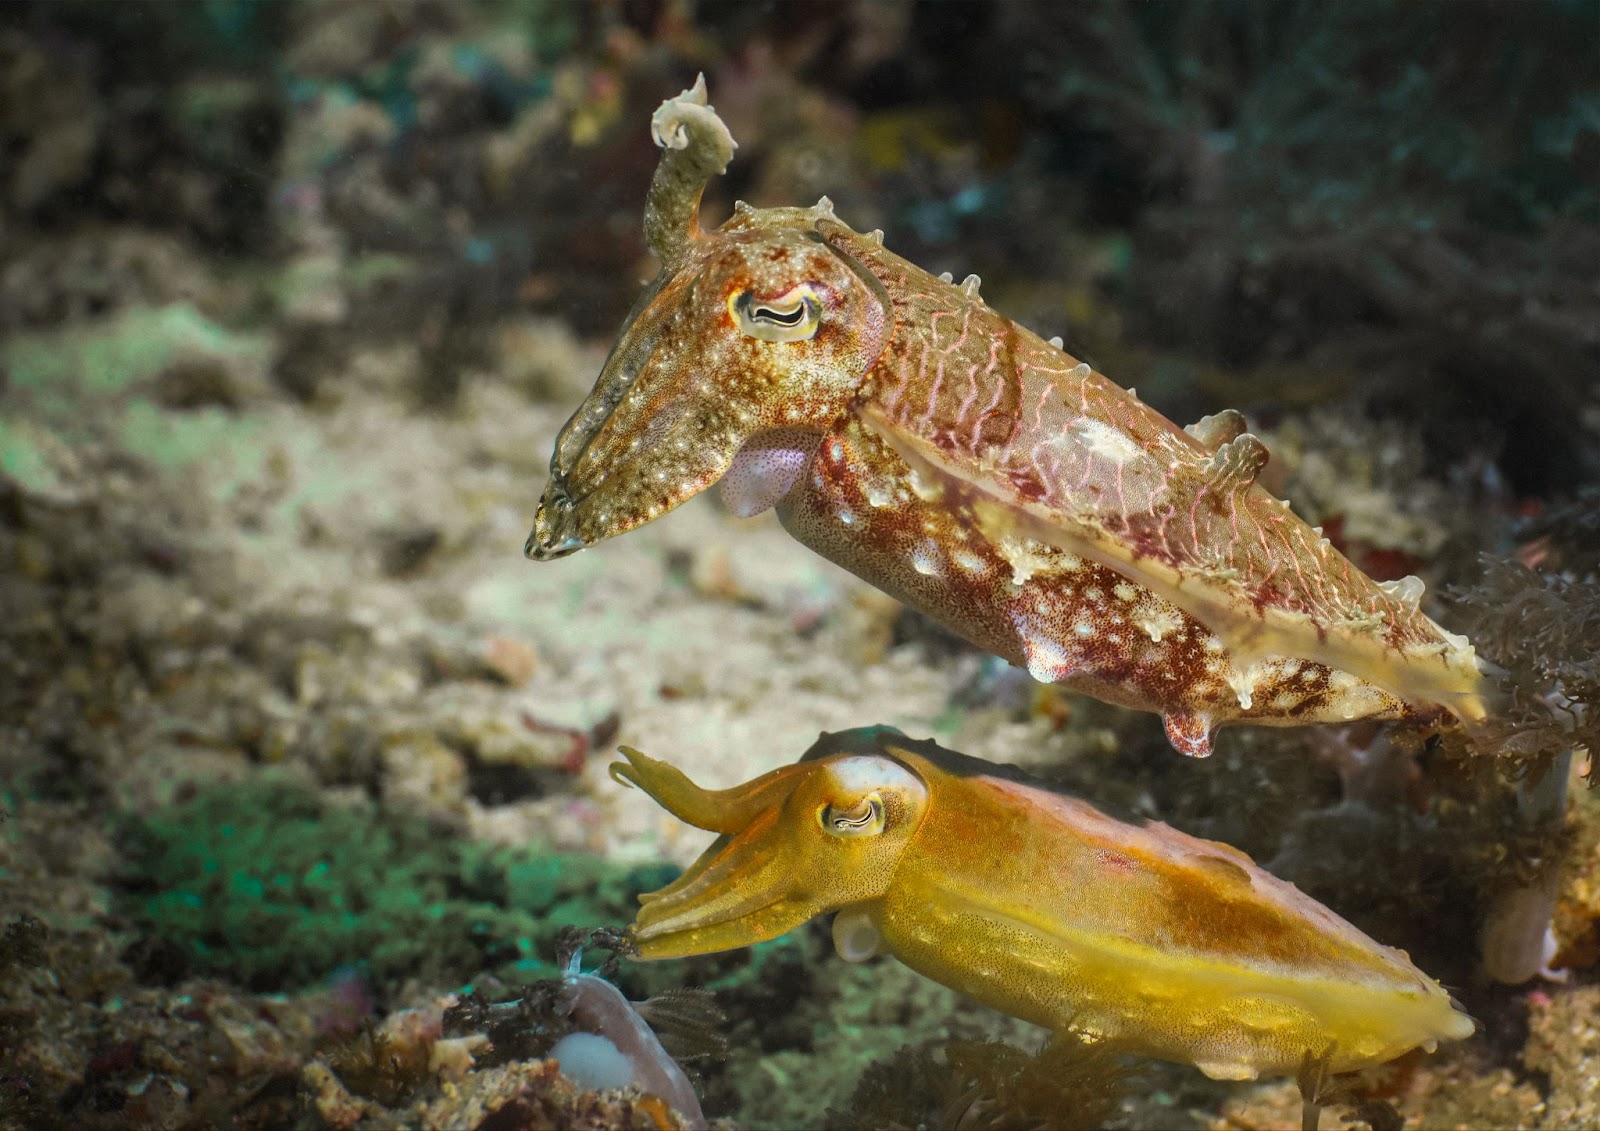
1037,904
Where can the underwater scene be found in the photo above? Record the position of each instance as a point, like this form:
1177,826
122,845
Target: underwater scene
840,564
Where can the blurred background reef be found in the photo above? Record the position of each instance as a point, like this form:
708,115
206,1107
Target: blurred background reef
302,767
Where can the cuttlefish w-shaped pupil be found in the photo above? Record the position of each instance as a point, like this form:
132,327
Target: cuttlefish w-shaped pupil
765,313
865,818
790,317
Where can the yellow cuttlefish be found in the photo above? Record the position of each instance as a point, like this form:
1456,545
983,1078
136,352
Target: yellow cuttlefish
1039,905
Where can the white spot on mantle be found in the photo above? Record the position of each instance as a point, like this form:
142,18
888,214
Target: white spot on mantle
1109,443
968,561
1047,660
1157,621
1024,559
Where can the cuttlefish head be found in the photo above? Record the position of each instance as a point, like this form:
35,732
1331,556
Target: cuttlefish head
796,843
748,346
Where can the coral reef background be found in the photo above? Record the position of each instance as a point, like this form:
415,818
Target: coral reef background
302,767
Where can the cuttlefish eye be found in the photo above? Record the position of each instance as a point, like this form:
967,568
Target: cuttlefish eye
793,316
864,818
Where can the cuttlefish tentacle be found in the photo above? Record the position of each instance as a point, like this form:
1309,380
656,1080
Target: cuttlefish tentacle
724,811
695,146
1038,904
721,886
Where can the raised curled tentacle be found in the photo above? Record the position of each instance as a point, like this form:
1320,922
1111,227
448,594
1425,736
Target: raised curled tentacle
725,811
695,146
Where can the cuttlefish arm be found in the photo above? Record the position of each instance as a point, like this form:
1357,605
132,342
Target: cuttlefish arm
768,873
1039,905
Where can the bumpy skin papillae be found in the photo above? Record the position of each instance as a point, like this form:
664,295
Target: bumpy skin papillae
982,475
1040,905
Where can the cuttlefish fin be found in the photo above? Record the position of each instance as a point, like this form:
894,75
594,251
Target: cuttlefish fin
725,811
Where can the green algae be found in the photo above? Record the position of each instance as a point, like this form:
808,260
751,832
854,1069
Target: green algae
86,380
269,885
32,455
114,354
